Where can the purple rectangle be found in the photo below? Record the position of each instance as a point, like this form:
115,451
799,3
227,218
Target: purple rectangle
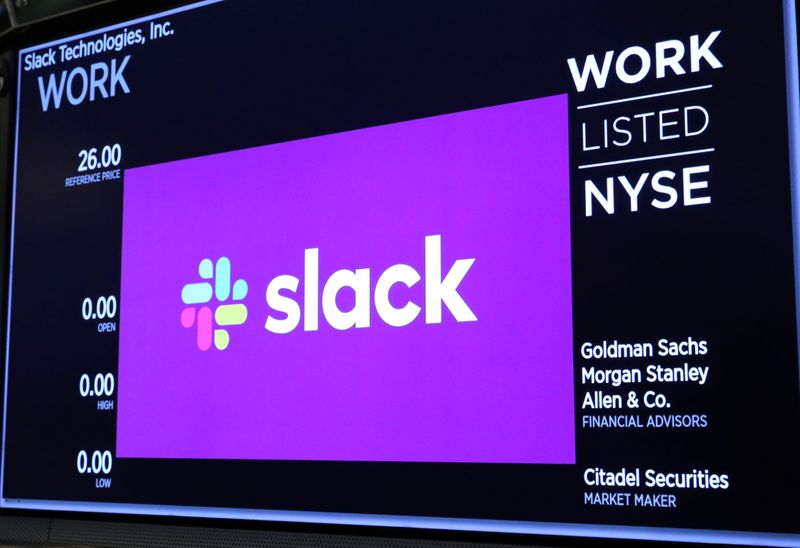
489,381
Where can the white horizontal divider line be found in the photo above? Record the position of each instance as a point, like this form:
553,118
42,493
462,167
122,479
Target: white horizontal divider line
646,158
639,97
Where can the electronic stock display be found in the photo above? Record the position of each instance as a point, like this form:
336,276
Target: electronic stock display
499,266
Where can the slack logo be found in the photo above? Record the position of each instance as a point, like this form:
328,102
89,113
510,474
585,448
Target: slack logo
224,315
439,290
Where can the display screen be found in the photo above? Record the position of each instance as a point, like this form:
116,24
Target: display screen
496,266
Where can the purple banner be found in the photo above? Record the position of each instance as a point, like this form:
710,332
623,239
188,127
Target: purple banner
396,293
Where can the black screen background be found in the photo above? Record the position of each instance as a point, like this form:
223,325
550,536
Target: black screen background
247,73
